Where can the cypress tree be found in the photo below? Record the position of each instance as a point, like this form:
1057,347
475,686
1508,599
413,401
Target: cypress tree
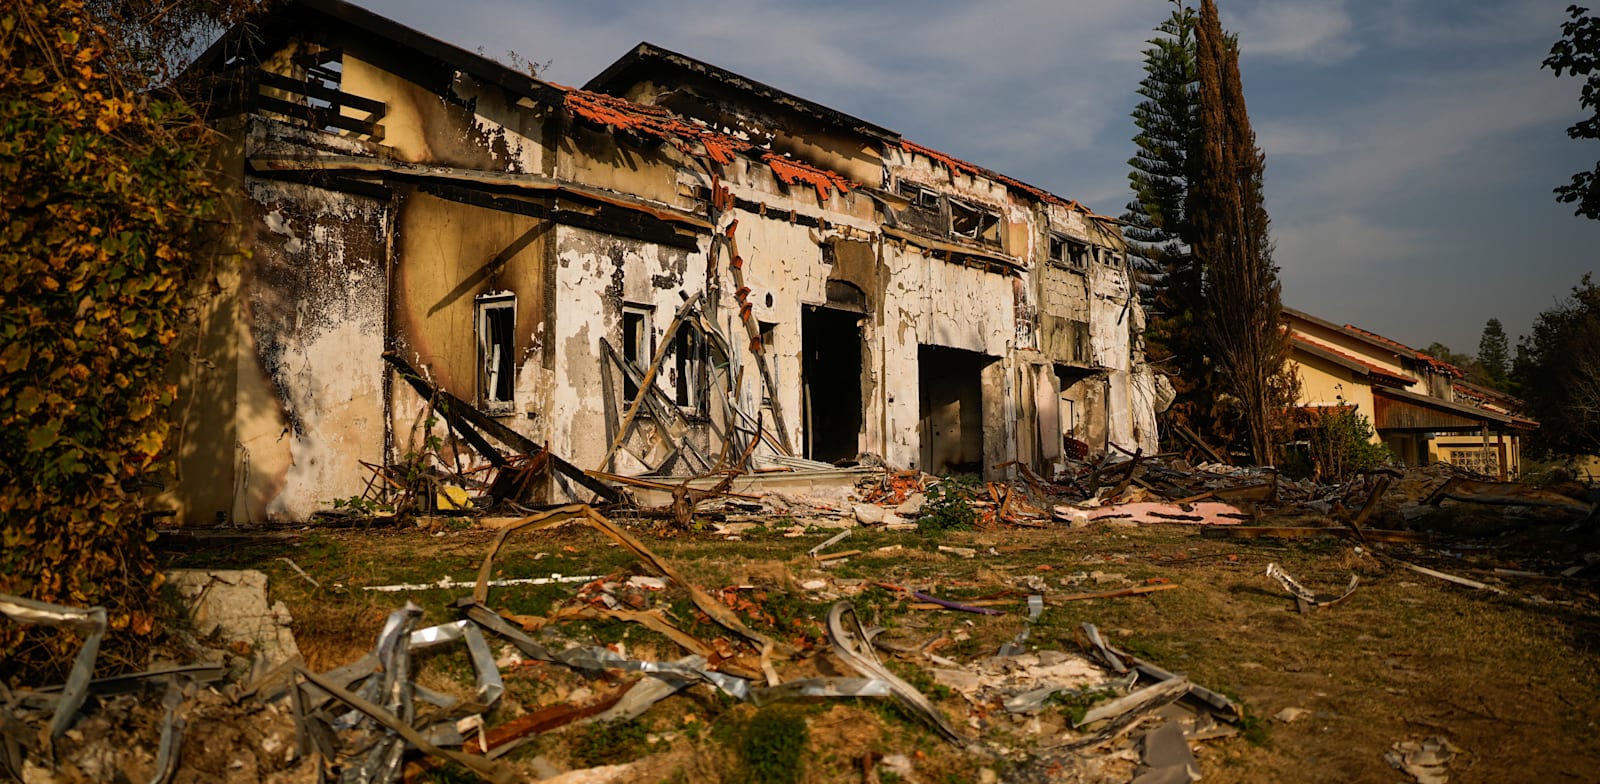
1241,307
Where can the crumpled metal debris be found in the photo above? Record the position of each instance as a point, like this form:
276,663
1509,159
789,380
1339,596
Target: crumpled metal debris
1122,662
852,645
1305,597
1020,644
91,623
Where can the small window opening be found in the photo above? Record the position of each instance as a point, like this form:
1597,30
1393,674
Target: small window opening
1077,254
974,223
496,324
920,197
635,344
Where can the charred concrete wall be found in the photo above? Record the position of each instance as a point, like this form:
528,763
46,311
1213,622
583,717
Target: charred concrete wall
310,364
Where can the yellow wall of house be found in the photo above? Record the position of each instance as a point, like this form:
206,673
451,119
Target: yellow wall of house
448,254
419,127
1322,383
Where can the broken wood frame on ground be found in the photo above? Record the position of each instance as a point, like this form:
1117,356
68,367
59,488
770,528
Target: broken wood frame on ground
466,421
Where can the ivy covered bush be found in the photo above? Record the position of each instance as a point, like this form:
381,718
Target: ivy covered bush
103,204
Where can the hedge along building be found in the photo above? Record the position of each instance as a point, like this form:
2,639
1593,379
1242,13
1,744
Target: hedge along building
640,275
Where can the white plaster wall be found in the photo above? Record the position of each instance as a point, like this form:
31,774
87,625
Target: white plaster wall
310,400
589,277
934,302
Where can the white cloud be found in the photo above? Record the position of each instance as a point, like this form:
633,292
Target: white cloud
1296,30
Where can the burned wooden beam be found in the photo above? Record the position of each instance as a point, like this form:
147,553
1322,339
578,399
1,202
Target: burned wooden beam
518,441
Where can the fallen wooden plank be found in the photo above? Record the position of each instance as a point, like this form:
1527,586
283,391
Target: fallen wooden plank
662,349
837,556
1462,581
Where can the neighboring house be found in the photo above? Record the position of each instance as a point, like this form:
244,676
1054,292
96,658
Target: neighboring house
1419,406
673,242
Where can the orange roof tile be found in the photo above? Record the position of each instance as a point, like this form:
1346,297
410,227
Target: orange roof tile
1407,351
693,139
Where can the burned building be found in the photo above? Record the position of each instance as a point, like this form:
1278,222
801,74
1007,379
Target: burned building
640,276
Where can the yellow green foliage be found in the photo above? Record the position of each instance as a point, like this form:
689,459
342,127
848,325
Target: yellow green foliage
103,200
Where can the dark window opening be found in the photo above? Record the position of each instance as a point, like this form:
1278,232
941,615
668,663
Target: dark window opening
1065,252
974,223
1077,254
497,320
635,345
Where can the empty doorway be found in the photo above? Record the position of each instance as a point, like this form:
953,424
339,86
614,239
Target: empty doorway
830,342
951,384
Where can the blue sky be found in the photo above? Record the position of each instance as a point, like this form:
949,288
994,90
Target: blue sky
1411,146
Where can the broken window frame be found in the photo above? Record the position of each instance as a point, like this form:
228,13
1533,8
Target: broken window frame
495,322
1068,253
637,338
920,196
985,222
690,352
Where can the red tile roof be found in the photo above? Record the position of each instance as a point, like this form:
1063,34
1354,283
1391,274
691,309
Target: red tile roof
1407,351
694,139
700,140
1348,360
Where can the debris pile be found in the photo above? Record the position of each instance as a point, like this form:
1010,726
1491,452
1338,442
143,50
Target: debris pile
376,719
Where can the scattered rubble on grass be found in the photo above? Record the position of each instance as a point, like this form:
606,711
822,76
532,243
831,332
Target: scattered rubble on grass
1079,711
1427,760
359,721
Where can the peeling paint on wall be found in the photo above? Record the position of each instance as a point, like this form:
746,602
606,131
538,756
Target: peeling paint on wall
924,269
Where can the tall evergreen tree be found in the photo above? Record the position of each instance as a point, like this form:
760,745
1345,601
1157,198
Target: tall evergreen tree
1156,220
1494,353
1246,343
